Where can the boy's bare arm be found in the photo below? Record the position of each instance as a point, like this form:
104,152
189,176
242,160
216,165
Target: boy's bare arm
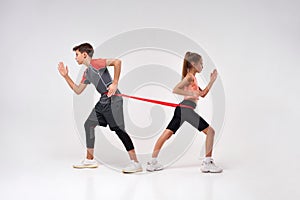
64,72
117,70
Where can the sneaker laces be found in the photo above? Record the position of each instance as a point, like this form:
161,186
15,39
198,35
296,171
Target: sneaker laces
133,163
152,162
211,162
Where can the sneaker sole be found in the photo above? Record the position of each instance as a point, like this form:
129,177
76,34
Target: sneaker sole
159,169
211,172
131,172
83,167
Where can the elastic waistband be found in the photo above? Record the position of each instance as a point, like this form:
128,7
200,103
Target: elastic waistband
189,103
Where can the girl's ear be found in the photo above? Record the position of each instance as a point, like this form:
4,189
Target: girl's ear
193,63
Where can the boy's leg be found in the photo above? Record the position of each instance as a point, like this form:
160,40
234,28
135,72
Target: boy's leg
89,127
115,119
90,153
127,142
134,165
132,155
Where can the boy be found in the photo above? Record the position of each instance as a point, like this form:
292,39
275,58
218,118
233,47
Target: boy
109,109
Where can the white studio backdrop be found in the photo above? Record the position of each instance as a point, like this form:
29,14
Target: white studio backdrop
254,44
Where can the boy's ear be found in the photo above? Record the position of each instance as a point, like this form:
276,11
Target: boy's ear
84,54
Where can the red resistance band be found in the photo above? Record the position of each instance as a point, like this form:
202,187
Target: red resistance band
154,101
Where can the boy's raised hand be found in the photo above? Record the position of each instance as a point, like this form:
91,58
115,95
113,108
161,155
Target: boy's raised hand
62,69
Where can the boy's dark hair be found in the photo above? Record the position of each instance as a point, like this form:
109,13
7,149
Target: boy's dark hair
85,47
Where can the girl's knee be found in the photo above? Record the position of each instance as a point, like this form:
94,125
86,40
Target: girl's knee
211,131
168,133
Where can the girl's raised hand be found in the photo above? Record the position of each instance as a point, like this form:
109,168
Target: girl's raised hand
213,75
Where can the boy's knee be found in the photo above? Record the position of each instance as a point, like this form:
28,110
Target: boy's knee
90,124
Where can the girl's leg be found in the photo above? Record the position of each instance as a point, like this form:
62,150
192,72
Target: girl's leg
154,165
173,126
199,123
209,142
161,140
208,164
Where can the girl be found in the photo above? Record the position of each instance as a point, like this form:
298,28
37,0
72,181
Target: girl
188,87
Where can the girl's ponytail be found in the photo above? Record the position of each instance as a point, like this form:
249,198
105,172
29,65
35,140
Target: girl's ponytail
186,64
188,58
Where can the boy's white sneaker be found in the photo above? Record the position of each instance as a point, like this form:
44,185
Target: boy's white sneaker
86,163
133,167
154,165
210,166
